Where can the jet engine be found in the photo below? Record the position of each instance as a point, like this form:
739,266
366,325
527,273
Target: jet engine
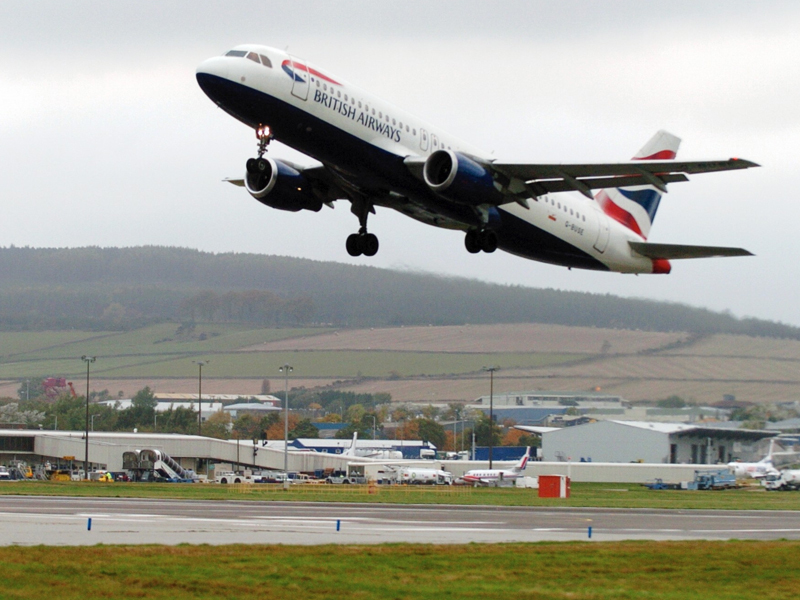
280,185
461,179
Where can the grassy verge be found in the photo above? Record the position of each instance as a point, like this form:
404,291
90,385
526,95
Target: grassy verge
679,570
610,495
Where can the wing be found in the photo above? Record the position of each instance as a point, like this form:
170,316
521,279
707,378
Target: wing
547,178
675,251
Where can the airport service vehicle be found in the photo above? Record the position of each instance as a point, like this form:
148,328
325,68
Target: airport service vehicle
374,154
756,470
787,479
718,479
5,475
497,476
418,476
246,476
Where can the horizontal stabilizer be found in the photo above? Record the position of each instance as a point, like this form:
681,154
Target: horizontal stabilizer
676,251
239,182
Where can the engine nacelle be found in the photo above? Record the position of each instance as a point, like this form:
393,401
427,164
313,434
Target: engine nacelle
461,179
279,185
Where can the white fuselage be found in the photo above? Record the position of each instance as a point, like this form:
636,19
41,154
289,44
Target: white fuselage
326,99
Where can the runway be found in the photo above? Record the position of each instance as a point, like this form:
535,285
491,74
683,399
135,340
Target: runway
30,520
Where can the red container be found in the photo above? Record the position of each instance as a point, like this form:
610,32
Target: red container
553,486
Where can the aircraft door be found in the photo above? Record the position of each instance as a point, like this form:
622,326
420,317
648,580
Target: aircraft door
601,242
423,140
301,79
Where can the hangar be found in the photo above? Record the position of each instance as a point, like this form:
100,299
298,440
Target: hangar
640,441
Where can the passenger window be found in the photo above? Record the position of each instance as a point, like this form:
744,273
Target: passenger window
394,122
325,86
570,212
339,94
265,61
373,112
414,131
253,56
345,97
359,104
380,115
318,83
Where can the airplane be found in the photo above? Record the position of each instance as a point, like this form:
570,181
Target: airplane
757,470
373,453
373,154
497,476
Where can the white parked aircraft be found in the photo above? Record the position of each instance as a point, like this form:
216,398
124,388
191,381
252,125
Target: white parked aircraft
375,154
495,476
373,453
757,470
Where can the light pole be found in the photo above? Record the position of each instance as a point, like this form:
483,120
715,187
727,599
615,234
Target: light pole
491,409
92,420
155,421
200,364
88,360
286,369
374,427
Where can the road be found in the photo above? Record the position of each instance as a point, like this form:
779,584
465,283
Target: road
31,520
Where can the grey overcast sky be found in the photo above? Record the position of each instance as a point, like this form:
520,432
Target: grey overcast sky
106,139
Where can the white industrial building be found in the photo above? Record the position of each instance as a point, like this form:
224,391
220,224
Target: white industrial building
638,441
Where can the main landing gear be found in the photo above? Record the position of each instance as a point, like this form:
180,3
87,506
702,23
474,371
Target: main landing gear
478,240
362,242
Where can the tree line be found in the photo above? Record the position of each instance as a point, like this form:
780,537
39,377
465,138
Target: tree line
119,288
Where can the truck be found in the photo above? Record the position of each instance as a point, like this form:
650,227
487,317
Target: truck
717,479
423,476
786,480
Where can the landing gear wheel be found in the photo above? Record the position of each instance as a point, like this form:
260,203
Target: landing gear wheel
487,240
471,242
353,245
369,244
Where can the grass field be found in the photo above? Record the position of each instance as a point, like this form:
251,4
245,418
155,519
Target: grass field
607,495
157,352
444,360
663,570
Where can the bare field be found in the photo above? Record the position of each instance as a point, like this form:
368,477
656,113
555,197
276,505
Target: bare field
740,345
523,337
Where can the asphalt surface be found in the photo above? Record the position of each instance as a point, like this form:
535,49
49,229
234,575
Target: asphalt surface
32,520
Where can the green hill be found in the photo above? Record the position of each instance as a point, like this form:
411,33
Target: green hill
125,288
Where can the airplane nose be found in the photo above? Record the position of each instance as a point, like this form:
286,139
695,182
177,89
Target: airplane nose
217,66
212,75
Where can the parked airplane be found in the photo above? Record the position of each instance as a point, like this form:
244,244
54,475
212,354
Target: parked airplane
373,453
496,476
374,154
757,470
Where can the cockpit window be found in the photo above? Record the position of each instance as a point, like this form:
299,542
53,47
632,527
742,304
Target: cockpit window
265,61
253,56
236,53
